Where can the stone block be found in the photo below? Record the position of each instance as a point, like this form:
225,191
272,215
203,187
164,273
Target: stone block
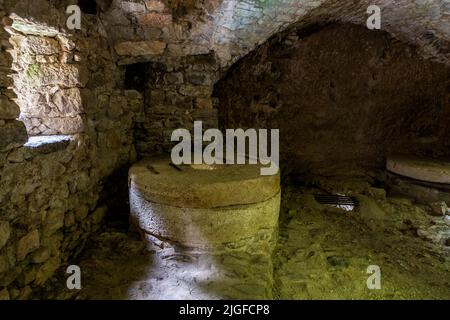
174,78
52,126
68,102
8,108
66,75
99,214
53,221
197,91
420,192
47,270
5,80
155,5
198,78
140,48
37,45
41,255
27,244
203,103
4,295
5,232
132,7
154,19
12,134
439,208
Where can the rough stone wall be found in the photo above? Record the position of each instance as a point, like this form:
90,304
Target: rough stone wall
12,132
175,96
169,33
51,187
343,97
46,212
232,28
49,81
179,74
240,26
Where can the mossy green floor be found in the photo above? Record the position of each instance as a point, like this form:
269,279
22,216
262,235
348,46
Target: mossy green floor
322,253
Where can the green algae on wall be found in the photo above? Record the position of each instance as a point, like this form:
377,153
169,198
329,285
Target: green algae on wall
33,73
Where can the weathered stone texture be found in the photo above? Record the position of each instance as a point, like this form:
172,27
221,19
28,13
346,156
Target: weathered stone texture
341,97
70,83
48,83
27,244
140,48
51,186
232,28
13,134
5,232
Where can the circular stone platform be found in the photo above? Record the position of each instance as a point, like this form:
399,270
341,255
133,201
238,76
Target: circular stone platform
429,170
201,205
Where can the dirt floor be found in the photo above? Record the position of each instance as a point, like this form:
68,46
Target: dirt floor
325,255
322,252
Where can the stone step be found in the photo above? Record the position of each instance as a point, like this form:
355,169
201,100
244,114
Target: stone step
423,169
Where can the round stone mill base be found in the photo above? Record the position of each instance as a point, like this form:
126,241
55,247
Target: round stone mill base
203,206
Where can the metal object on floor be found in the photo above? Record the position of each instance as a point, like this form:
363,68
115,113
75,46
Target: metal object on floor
347,203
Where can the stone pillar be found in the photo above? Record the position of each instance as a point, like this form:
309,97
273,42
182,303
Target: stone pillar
12,132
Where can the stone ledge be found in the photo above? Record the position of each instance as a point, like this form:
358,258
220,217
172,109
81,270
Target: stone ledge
48,144
423,169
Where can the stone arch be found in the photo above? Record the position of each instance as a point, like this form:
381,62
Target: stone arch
241,26
232,28
159,31
341,96
154,31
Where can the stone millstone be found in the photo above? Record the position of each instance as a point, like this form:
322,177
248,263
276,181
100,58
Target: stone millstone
202,186
203,207
428,170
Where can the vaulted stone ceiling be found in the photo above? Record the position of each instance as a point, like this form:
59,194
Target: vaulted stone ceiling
232,28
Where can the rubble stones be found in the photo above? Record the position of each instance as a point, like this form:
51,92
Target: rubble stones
27,244
439,208
5,232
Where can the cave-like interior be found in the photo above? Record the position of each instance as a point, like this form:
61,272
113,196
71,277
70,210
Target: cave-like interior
88,177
